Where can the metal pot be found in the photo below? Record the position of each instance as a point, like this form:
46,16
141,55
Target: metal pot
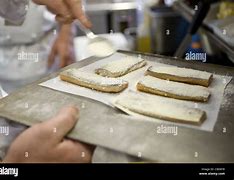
167,29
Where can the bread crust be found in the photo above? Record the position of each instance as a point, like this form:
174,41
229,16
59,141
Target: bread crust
154,107
150,90
174,77
102,88
106,73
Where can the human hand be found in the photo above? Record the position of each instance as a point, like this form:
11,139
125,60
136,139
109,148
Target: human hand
45,142
62,47
66,10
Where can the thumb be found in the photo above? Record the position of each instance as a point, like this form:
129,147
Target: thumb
52,55
63,122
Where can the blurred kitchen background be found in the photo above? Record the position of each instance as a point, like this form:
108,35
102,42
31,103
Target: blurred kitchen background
159,26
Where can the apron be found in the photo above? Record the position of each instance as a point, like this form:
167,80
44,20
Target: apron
24,49
13,11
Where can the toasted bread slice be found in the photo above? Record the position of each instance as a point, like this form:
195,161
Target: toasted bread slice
93,81
159,107
173,89
121,67
185,75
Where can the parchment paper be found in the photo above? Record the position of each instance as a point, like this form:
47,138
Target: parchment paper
217,88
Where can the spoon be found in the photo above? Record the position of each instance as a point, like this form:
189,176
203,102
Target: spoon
99,46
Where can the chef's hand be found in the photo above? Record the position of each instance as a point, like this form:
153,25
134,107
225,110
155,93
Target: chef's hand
45,142
66,10
63,47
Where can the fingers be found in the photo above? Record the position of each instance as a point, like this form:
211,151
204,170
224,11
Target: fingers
51,57
65,55
62,50
62,123
71,57
66,10
76,8
78,152
64,20
53,11
64,59
60,9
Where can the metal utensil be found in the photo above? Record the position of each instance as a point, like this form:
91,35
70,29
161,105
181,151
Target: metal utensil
105,47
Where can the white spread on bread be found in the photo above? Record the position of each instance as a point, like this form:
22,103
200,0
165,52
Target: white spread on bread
159,107
121,67
176,88
181,72
93,78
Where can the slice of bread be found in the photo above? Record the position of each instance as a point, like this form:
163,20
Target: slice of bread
93,81
159,107
173,89
185,75
121,67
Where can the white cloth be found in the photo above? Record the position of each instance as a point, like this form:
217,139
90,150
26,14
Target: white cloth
37,23
25,62
13,11
6,140
24,49
14,130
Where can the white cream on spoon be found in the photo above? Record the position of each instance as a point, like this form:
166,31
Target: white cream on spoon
99,46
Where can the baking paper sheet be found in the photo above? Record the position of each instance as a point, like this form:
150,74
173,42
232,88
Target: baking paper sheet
212,107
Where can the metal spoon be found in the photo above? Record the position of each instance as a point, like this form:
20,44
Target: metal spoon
99,46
